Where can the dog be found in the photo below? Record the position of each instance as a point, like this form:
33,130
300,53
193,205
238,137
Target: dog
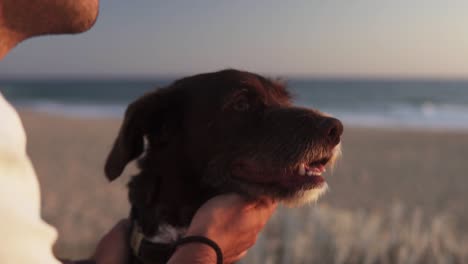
213,133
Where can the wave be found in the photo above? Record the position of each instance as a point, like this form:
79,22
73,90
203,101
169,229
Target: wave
426,115
85,110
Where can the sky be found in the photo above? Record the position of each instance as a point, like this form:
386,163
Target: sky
310,38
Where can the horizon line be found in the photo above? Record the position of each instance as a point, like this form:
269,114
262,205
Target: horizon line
285,76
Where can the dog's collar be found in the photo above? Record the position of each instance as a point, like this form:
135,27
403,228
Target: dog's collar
136,238
148,251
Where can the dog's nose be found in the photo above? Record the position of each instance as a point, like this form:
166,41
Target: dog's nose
332,129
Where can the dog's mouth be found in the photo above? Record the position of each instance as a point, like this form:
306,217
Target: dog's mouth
314,168
304,175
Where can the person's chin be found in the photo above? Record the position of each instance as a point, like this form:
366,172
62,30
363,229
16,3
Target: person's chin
86,17
78,17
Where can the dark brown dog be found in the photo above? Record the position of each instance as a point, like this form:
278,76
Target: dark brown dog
227,131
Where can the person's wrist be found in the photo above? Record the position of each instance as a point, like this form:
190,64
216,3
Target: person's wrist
196,253
84,261
208,233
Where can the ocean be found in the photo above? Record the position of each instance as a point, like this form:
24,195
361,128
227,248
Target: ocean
432,105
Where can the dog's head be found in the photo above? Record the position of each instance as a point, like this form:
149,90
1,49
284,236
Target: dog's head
227,131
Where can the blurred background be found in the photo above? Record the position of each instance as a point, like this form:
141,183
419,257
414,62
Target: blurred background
395,72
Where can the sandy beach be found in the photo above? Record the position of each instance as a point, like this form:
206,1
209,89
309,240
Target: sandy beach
418,170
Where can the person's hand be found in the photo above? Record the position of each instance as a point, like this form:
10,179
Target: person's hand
113,248
229,220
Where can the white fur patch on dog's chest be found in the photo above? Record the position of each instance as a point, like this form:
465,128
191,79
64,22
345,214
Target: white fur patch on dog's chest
167,234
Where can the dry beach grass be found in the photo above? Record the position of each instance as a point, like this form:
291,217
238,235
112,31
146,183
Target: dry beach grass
397,196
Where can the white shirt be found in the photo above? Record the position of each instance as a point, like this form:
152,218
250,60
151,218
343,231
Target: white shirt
24,236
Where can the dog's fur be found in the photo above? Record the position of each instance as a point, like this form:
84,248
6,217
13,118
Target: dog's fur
227,131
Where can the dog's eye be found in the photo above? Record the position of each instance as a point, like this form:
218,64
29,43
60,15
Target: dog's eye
242,104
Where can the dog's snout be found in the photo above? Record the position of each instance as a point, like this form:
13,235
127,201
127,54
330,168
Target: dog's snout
332,129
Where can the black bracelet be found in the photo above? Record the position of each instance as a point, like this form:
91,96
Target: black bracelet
204,240
87,261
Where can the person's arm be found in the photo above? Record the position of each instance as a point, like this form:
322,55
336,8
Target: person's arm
230,221
87,261
113,248
194,253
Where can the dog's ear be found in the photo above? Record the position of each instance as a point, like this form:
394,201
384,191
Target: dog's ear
145,115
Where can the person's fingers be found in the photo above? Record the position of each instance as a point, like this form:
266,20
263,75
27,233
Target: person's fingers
238,257
123,226
113,246
241,255
266,210
120,231
259,203
233,197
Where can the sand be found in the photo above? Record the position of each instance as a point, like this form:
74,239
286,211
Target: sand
379,168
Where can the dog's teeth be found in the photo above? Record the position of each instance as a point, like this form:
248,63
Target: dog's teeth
309,173
302,169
